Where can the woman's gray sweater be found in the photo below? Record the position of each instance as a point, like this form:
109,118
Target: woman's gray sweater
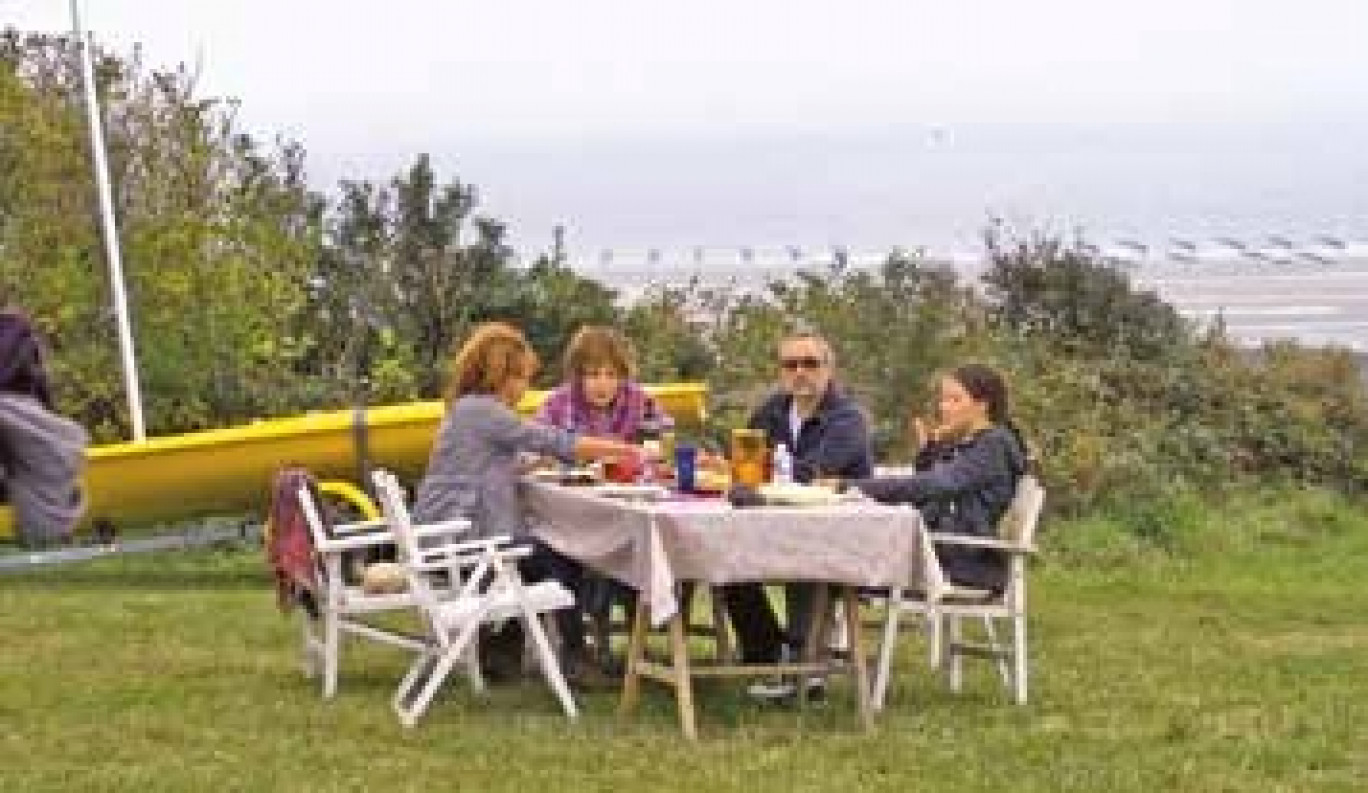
473,470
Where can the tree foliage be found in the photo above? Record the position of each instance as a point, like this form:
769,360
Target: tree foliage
218,234
410,268
250,294
1040,286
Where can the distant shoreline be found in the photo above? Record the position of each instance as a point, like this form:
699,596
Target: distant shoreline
1313,304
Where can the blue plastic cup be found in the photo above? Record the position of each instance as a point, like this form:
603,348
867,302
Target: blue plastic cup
686,467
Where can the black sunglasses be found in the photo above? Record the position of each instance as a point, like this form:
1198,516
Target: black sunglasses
808,362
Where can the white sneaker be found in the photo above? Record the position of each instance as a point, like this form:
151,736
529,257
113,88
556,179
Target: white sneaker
776,687
815,689
771,689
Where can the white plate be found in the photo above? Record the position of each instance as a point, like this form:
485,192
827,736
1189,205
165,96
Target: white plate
796,495
629,492
566,475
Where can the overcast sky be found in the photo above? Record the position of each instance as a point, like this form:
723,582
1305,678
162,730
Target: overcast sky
347,68
507,93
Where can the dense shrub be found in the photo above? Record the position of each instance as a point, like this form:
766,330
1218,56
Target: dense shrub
1129,408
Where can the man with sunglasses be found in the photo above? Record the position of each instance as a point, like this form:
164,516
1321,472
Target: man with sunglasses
828,435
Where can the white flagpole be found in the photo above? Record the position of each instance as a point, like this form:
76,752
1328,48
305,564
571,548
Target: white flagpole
111,230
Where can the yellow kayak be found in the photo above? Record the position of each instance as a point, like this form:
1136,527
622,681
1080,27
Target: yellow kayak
229,470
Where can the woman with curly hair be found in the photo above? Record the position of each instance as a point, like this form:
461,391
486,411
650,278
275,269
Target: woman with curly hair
474,467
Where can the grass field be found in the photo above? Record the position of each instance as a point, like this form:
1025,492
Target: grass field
1228,654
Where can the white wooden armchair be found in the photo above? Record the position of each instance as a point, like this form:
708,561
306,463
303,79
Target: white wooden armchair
485,589
342,606
944,611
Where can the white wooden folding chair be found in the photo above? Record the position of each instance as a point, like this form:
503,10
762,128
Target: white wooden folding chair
945,609
344,607
486,589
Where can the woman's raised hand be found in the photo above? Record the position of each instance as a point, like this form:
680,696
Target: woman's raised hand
925,432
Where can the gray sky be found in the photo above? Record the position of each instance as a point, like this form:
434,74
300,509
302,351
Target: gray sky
342,69
663,122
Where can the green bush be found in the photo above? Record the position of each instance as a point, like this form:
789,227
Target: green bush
1129,410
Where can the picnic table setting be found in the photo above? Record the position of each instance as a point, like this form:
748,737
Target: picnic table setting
718,528
661,524
523,534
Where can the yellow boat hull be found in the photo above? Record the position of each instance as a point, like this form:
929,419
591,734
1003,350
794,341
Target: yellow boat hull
229,471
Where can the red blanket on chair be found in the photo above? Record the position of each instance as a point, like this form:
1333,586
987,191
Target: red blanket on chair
289,546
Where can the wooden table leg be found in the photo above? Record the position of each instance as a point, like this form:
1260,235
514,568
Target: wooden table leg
858,661
814,644
636,648
817,628
683,683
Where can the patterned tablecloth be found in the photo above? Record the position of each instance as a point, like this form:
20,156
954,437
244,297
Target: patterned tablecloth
652,546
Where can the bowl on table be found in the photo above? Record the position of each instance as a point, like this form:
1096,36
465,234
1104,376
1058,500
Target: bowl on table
706,481
623,470
630,492
578,476
799,495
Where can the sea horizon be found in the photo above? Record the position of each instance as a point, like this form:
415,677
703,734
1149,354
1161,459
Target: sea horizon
916,186
1262,222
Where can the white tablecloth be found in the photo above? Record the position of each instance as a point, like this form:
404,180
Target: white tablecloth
652,546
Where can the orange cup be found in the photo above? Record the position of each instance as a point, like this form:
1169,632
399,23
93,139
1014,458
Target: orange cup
749,457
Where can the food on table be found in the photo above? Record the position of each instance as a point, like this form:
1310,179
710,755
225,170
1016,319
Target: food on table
711,481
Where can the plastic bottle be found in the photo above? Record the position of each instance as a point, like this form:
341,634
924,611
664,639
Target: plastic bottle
648,430
783,465
649,458
647,439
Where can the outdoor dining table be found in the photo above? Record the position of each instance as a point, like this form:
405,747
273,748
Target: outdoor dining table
654,545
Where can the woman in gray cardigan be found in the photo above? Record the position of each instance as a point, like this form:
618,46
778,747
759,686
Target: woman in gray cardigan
473,473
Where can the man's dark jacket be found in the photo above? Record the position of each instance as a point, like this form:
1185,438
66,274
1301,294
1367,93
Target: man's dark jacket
833,441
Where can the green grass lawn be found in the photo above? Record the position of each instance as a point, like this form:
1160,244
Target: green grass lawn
1242,667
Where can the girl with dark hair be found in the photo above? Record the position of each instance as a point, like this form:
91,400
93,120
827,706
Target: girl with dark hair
967,472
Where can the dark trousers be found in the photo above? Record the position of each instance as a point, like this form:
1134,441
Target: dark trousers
597,596
545,564
757,627
982,568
